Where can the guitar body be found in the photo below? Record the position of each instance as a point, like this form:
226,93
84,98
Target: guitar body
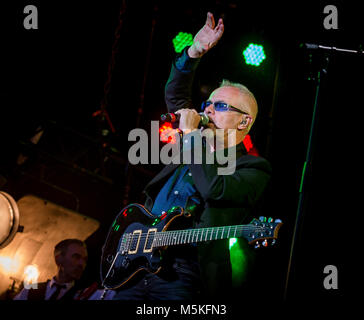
137,239
128,252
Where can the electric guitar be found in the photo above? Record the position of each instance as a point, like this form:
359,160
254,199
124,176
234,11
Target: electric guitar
137,238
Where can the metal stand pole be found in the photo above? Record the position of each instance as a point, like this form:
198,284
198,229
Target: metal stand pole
306,169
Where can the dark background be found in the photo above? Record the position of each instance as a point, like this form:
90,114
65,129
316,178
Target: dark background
54,78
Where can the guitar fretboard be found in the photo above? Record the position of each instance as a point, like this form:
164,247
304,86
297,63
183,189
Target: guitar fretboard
203,234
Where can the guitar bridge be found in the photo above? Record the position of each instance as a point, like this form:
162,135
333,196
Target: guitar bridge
125,243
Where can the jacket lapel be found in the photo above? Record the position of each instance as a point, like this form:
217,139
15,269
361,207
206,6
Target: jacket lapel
167,170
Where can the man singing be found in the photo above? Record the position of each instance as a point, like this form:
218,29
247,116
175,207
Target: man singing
213,199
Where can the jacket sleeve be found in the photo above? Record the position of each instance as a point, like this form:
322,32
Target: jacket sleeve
178,89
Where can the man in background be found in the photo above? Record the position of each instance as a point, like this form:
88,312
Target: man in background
71,259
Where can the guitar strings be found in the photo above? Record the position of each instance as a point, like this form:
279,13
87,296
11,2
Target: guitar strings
172,234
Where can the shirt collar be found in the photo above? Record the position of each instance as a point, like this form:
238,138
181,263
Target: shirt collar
239,150
68,285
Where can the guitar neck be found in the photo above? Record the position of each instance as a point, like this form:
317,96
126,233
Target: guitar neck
178,237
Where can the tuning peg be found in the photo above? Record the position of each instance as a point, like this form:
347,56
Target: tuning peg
257,245
277,220
263,219
273,242
270,220
265,243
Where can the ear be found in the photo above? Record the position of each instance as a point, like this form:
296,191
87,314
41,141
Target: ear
58,259
245,122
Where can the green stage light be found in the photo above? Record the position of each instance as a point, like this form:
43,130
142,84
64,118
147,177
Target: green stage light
254,54
181,40
238,261
232,241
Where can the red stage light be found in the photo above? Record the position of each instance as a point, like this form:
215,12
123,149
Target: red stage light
167,133
248,143
249,146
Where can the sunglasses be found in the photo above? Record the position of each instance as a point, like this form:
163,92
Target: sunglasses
220,106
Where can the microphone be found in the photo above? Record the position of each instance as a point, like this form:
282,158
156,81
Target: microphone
314,46
174,117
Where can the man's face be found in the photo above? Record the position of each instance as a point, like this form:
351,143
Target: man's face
226,119
73,263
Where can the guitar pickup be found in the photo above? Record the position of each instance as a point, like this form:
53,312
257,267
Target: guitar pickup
148,245
134,242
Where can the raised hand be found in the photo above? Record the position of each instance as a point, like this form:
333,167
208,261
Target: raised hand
207,37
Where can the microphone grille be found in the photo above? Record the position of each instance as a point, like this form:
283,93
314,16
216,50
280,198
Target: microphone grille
204,119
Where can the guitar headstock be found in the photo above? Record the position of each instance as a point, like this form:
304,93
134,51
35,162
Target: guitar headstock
263,231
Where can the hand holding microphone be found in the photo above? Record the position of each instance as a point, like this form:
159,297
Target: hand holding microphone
189,119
